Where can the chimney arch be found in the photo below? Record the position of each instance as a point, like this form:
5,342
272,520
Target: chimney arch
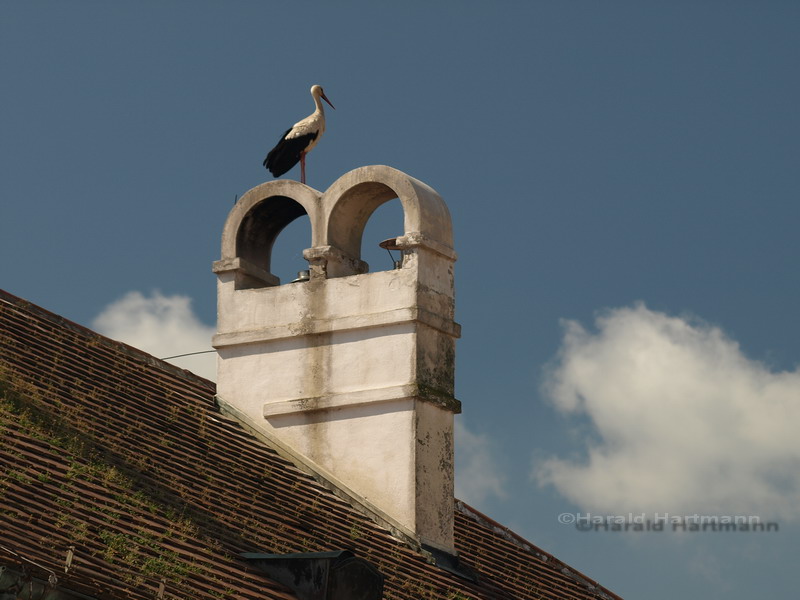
351,200
256,222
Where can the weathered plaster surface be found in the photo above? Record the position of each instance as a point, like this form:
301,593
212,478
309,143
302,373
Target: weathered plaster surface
353,370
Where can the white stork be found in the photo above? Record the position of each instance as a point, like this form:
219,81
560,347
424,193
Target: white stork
299,140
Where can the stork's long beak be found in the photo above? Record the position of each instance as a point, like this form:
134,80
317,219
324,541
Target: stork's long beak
324,97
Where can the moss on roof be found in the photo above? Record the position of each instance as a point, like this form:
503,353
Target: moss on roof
128,460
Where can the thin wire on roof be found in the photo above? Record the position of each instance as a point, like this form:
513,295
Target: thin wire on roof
187,354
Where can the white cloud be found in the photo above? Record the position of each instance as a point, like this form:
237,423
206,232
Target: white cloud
685,423
163,326
478,472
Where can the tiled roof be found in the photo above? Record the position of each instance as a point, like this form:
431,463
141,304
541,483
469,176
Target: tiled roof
127,460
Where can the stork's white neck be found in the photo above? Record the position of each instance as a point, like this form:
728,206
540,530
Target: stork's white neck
318,103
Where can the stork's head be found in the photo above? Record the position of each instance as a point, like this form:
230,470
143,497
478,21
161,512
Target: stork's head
316,91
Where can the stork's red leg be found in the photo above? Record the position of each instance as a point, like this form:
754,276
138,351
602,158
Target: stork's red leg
302,167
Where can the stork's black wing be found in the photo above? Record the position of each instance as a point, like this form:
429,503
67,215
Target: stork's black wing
287,153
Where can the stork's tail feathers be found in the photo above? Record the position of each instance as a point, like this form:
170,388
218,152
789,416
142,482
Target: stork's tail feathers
287,153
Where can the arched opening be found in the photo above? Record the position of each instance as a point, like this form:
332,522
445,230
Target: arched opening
287,250
385,223
351,213
260,227
353,198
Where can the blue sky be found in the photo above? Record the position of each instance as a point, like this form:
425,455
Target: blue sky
623,180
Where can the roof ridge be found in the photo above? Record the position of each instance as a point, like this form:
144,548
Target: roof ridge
127,349
519,541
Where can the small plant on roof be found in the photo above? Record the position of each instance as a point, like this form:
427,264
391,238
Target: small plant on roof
355,531
173,413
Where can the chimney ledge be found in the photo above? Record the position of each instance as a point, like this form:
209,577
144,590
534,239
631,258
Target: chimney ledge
291,406
348,323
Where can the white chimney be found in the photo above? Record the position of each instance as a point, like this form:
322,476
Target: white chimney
354,371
